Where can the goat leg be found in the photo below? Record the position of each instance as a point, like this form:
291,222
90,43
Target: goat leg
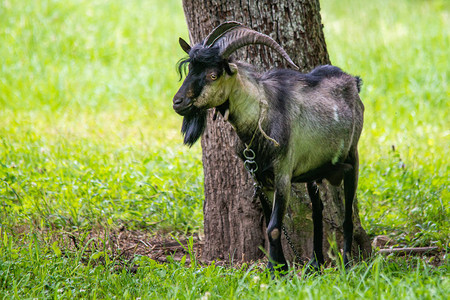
350,184
274,230
265,202
317,258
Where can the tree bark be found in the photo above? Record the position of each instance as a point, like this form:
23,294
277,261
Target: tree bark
233,222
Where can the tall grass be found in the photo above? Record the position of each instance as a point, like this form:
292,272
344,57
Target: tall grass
89,139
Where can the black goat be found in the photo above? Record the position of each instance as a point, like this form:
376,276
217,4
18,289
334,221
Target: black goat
301,127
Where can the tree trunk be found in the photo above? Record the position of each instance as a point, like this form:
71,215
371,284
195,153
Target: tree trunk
233,222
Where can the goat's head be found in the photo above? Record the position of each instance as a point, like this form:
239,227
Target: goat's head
208,83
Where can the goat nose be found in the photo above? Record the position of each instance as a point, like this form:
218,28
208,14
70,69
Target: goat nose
177,101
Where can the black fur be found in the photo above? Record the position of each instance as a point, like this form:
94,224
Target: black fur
312,79
193,126
328,71
359,83
321,72
201,59
182,66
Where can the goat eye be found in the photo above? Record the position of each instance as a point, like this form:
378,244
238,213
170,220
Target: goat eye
213,76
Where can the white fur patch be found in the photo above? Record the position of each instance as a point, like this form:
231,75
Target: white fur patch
335,113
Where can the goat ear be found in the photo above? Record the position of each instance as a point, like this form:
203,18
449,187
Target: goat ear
230,68
184,45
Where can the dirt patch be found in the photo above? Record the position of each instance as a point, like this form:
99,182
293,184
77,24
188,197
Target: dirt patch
126,244
123,245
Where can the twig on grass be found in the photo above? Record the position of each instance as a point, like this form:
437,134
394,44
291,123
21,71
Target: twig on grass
410,250
145,244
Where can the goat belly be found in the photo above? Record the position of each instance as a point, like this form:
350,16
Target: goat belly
334,173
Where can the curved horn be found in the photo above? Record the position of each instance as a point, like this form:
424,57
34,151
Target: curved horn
219,31
231,38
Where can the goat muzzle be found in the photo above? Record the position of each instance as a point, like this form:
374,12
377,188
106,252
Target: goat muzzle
182,106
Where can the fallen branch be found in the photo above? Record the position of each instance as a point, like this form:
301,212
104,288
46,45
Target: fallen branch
405,251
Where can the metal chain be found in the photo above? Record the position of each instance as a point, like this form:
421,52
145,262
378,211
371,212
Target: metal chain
251,166
250,163
288,239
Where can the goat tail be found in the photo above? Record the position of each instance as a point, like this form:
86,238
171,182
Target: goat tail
359,83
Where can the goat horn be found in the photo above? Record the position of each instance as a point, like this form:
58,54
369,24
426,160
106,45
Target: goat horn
219,31
231,36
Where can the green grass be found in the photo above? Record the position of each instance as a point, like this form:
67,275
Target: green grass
89,140
39,272
87,132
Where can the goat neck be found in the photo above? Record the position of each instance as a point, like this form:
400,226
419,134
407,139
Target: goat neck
244,104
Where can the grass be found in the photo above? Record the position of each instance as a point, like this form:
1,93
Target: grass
86,127
38,272
89,140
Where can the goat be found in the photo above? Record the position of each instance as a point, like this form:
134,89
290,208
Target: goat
301,127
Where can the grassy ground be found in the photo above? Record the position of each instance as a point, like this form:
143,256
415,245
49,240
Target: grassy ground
89,140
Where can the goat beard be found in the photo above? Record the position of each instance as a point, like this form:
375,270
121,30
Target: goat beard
193,126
